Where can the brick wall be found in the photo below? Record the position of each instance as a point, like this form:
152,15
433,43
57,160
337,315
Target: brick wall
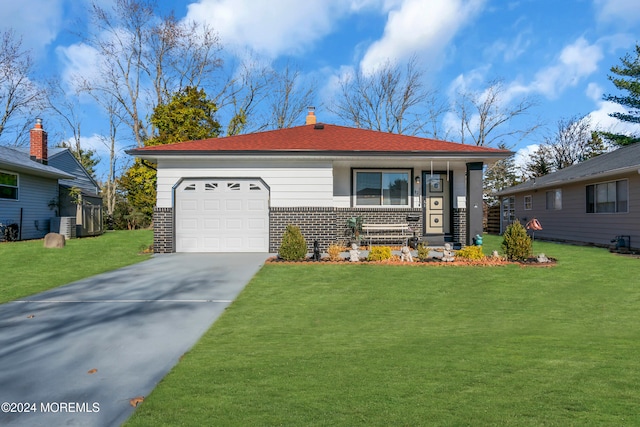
162,230
329,225
460,225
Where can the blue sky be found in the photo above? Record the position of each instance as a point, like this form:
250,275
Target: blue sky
558,52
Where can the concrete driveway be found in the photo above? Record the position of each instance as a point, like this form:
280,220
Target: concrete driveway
76,355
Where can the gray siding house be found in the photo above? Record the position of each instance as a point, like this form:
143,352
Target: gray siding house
86,205
594,202
34,190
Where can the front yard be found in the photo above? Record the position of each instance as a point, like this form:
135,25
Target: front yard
27,267
425,345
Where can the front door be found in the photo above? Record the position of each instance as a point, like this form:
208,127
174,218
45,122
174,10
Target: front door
436,204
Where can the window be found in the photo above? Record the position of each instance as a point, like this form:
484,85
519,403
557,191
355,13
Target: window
382,188
528,203
608,197
8,185
554,199
508,210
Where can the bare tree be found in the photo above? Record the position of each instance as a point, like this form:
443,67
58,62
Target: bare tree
19,95
288,97
390,99
109,187
573,142
485,116
146,58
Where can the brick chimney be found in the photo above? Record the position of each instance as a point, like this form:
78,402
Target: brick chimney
311,116
38,143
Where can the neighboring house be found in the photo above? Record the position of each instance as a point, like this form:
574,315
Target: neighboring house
34,189
79,197
238,193
591,202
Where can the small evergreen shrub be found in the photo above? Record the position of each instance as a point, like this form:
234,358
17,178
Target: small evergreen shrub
516,243
423,251
470,252
379,253
293,246
334,251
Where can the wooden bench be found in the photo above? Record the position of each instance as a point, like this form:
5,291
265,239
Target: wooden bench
387,232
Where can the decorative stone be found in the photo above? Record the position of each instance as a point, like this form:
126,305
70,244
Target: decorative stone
354,253
54,240
495,254
542,258
447,254
405,254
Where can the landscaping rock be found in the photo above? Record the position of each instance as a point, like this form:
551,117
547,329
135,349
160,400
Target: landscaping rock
54,240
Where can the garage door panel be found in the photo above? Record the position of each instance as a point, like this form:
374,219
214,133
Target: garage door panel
212,205
189,205
256,205
189,224
212,224
222,216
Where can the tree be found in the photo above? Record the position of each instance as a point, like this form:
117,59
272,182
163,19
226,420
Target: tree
287,99
573,142
538,164
485,115
19,96
502,174
137,49
628,80
188,116
389,99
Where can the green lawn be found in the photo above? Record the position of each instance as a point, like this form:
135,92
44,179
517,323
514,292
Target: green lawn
27,267
345,345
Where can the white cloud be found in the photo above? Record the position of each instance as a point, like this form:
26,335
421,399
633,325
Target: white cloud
620,12
419,26
37,23
600,118
575,62
79,60
272,28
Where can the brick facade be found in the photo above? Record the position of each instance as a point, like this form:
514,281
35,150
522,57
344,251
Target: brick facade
162,230
460,225
327,225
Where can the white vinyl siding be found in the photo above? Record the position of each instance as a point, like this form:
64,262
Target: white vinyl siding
291,183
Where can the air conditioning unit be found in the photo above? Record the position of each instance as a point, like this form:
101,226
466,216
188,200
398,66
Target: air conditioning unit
65,225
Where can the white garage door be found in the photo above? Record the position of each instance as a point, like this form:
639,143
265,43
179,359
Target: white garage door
222,215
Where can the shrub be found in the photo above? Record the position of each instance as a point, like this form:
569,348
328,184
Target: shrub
379,253
516,243
471,252
293,246
423,251
334,251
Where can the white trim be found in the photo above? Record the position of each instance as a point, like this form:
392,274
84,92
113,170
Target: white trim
382,171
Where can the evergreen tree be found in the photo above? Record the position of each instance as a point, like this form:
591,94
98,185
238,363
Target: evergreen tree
499,176
188,116
627,79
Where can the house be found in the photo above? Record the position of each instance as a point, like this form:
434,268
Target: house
592,202
79,197
34,190
238,193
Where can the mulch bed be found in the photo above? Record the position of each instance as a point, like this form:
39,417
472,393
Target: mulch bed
487,262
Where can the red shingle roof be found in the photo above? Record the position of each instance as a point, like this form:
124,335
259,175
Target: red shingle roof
318,138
